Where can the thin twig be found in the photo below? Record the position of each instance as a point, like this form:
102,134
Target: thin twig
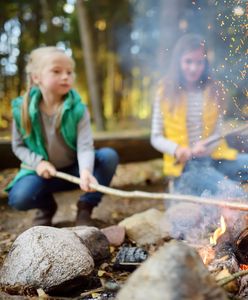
98,290
129,263
158,196
230,278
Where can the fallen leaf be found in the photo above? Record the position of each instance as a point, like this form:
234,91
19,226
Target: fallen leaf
95,295
42,294
100,273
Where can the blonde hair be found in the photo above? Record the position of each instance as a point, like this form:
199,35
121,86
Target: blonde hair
35,63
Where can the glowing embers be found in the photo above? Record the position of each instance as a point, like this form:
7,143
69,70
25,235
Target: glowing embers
218,232
243,267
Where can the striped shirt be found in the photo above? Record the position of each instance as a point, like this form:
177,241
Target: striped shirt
194,125
194,117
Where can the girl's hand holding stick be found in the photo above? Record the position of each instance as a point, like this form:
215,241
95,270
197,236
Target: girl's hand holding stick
46,169
183,154
87,180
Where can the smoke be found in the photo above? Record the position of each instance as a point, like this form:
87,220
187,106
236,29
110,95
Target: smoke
194,222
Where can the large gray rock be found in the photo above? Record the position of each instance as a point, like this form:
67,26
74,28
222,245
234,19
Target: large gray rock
174,272
144,228
46,257
94,239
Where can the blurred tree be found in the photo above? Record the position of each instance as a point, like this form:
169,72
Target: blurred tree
86,40
131,42
171,16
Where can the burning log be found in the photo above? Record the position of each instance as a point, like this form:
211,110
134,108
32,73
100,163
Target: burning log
230,243
241,247
234,240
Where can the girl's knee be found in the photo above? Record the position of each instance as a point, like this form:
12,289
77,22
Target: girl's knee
26,192
242,161
109,155
19,200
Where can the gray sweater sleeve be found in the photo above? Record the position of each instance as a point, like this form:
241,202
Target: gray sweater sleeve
21,151
158,140
85,148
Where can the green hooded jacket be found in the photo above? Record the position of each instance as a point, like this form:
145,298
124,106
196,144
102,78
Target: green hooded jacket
72,111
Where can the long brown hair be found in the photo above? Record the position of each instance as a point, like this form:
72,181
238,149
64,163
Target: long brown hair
37,59
174,81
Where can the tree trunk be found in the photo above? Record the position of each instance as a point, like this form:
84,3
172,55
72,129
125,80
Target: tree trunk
91,75
38,18
47,16
169,19
20,60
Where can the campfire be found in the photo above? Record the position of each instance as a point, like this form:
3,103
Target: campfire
226,255
226,239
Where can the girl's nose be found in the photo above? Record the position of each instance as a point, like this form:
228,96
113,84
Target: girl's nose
193,67
64,75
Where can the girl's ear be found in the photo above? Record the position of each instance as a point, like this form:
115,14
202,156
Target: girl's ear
35,78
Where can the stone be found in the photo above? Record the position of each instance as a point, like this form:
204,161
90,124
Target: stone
144,228
174,272
94,240
48,258
115,235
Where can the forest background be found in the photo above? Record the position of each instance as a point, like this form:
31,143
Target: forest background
122,48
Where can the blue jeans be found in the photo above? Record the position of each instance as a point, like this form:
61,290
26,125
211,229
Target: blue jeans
208,177
33,191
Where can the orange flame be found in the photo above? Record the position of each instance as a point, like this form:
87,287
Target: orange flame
218,232
243,267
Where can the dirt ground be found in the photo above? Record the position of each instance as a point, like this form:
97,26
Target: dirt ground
139,176
145,176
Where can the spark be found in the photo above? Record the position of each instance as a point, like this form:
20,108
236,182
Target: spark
238,11
232,30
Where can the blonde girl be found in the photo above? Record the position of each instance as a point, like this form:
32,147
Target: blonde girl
51,131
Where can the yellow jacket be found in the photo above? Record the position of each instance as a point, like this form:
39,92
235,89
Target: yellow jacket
175,129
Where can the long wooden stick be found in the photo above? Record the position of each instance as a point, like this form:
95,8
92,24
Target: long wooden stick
217,138
237,130
158,196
